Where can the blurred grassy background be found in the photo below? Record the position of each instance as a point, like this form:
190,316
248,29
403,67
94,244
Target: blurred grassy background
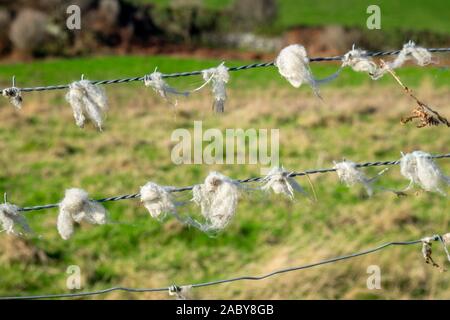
400,14
43,152
49,72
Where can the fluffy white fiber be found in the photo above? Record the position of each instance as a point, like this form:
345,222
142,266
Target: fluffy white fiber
87,100
350,175
278,181
410,51
421,170
219,77
14,95
156,81
77,207
10,216
157,200
293,64
218,199
359,62
180,293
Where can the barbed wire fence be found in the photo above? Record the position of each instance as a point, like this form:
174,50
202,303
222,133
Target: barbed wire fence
181,291
241,181
174,289
88,100
232,69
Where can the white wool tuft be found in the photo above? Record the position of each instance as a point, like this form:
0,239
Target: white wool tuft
350,175
278,181
219,77
410,51
359,62
180,293
87,100
293,64
14,95
420,169
65,224
77,207
218,199
156,81
157,200
10,216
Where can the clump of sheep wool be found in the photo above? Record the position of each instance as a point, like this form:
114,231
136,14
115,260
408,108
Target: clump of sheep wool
293,64
350,175
156,81
87,100
219,77
10,216
357,59
420,169
410,51
14,96
218,199
157,200
279,182
180,293
77,207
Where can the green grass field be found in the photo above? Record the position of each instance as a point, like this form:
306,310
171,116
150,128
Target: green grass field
400,14
58,71
43,152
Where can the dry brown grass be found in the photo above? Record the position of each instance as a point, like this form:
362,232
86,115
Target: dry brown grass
43,152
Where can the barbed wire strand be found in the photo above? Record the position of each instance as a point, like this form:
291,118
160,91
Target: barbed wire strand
230,280
199,72
248,180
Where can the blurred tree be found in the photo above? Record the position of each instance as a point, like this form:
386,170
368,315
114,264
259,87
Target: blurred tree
109,12
249,14
28,30
5,21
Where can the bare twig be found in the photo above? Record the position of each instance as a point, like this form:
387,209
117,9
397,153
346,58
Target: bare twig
426,115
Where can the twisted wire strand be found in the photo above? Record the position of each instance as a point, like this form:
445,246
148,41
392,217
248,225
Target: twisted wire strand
238,68
248,180
229,280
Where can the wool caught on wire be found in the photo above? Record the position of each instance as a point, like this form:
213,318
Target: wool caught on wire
421,170
14,96
87,100
278,181
410,51
156,81
427,252
10,216
350,174
77,207
358,60
157,200
180,293
219,77
218,199
293,64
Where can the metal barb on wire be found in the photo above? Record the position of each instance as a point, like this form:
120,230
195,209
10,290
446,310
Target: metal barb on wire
248,180
199,72
173,288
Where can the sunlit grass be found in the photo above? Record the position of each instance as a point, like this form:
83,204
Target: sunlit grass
43,152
